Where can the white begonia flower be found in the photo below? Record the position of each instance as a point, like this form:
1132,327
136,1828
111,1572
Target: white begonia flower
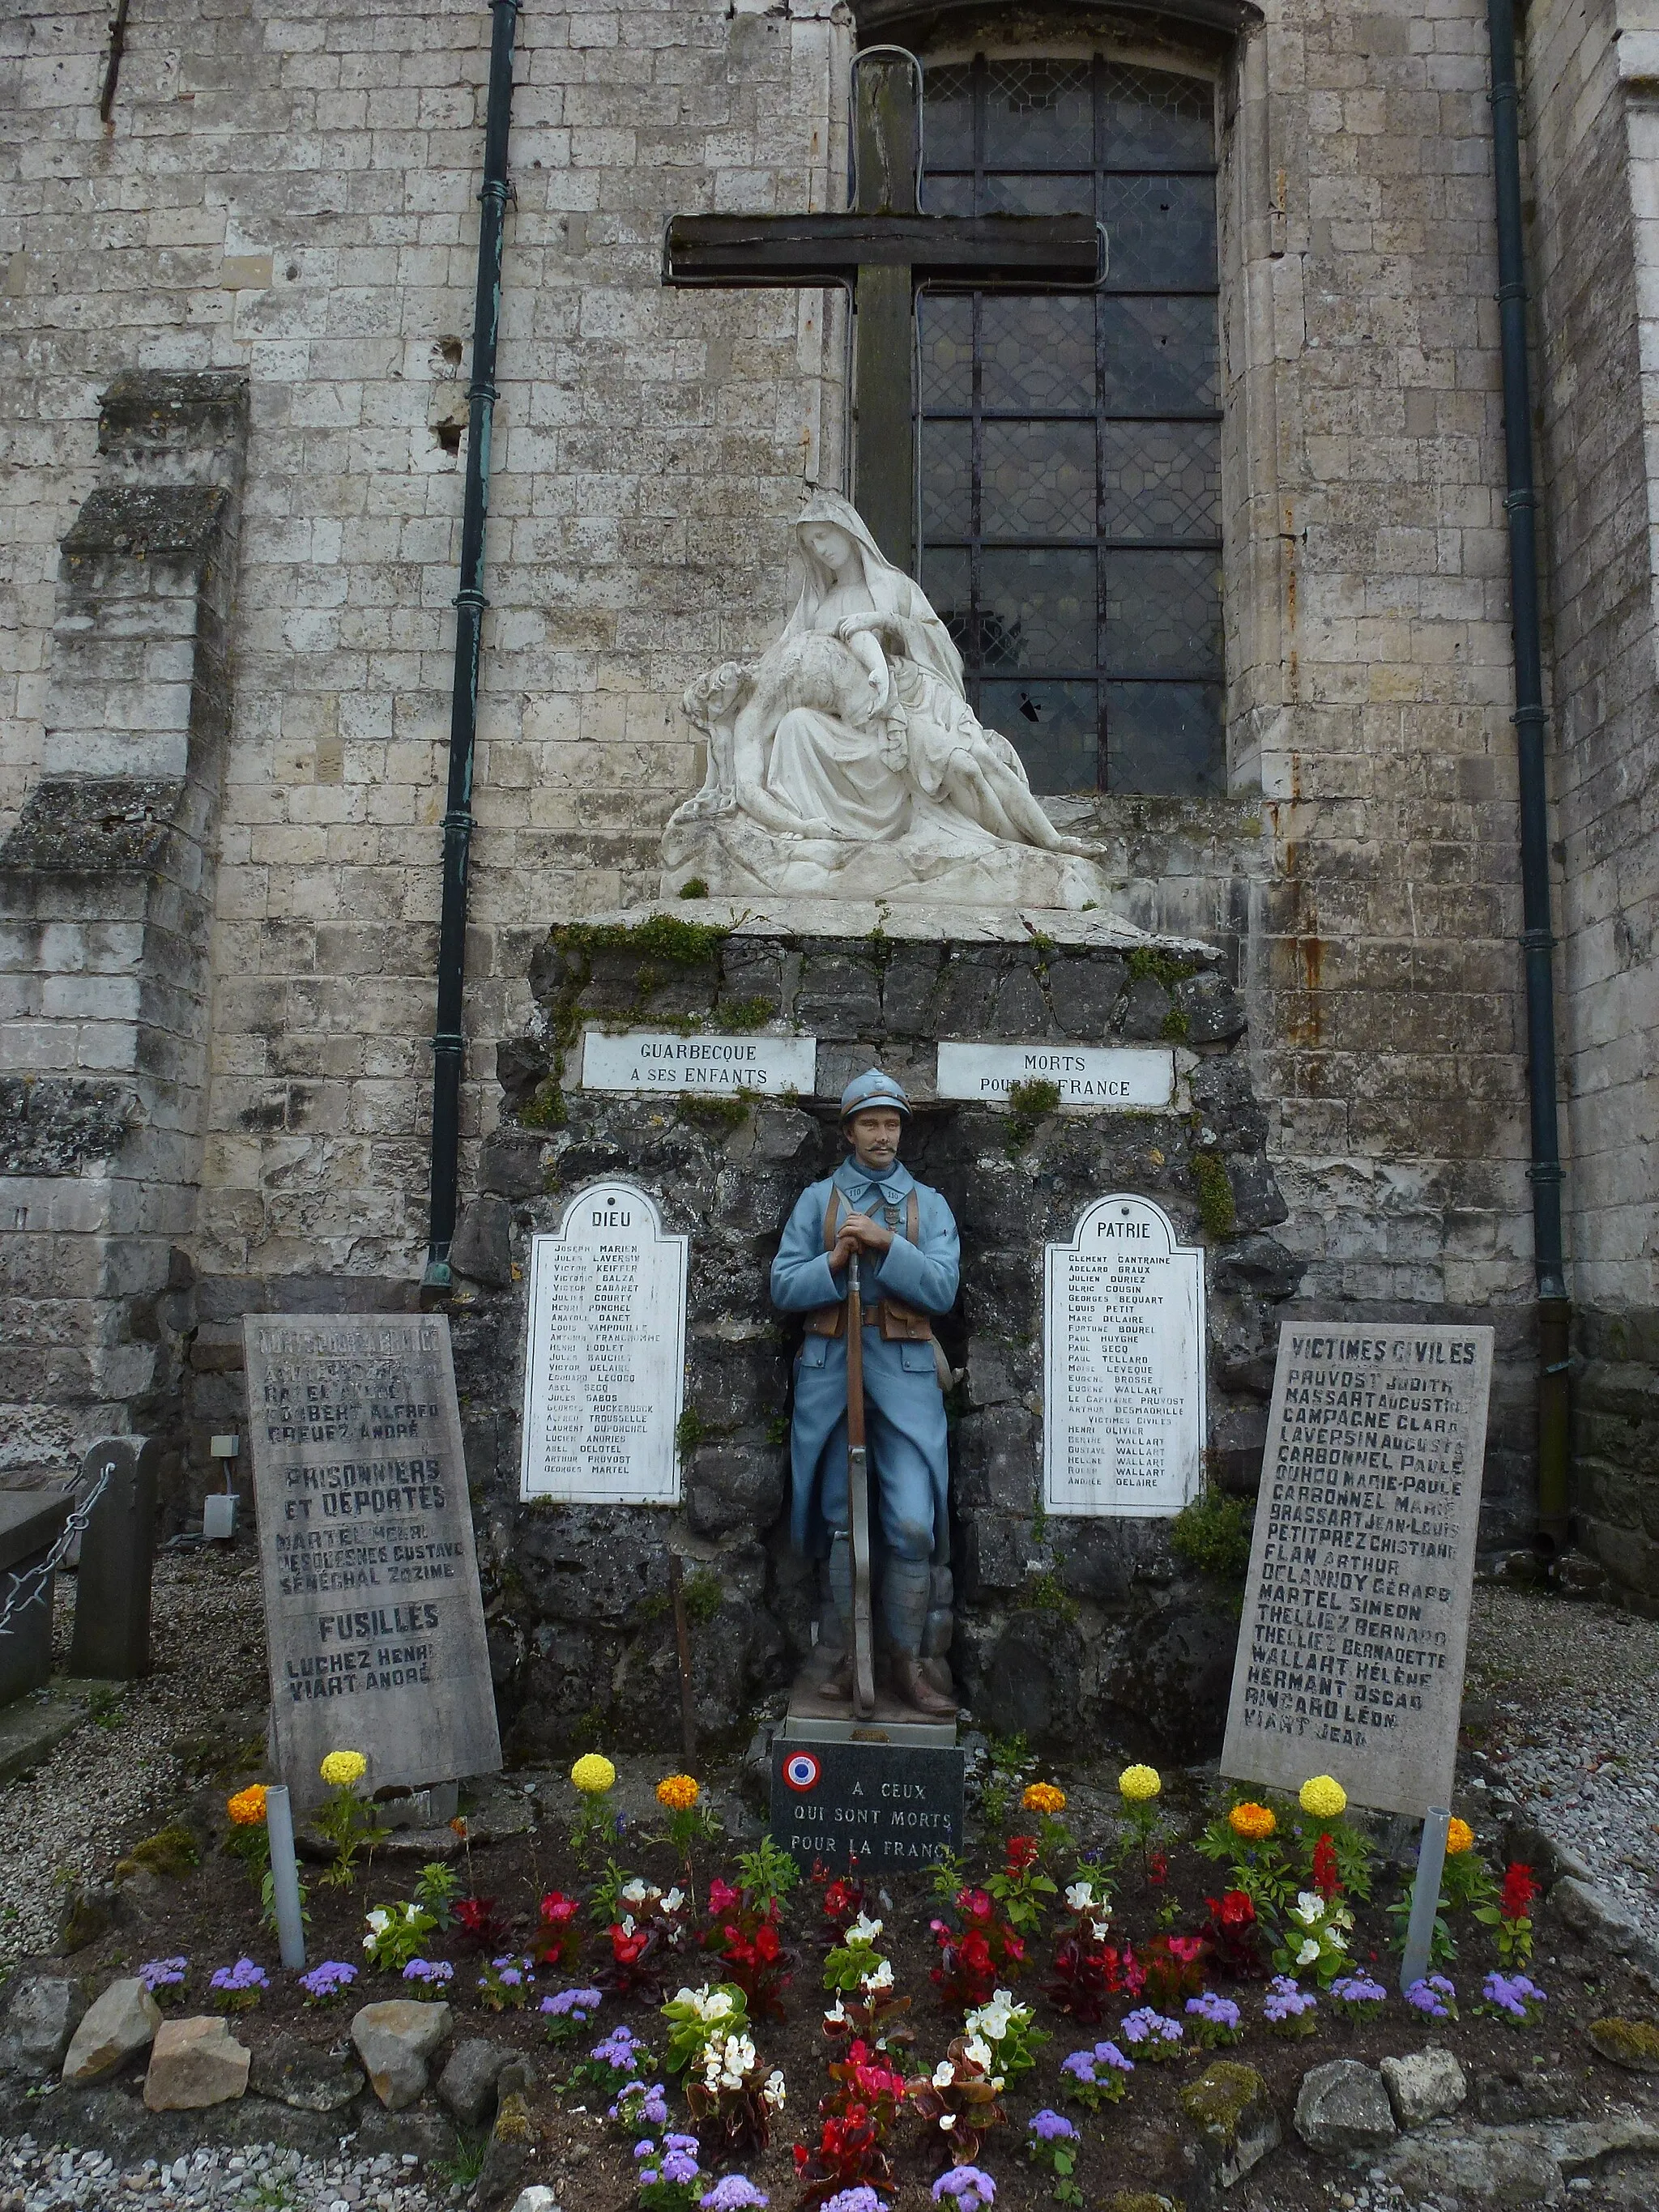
1097,1929
947,2119
1336,1939
1308,1954
944,2074
690,1996
740,2051
379,1920
1309,1907
978,2051
837,2013
1079,1896
673,1899
995,2083
863,1930
883,1977
626,1924
634,1892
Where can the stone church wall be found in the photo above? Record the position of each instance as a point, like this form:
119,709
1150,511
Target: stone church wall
290,197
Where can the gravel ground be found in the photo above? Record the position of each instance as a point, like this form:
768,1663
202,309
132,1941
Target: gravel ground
1565,1696
33,2178
113,1780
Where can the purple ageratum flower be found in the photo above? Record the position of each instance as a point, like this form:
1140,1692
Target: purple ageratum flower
1433,1996
244,1975
646,2150
1051,2127
1220,2012
655,2108
1108,2054
431,1973
861,2199
573,2004
1358,1989
1145,2025
969,2189
681,2167
1285,2001
738,2194
617,2050
1080,2065
687,2144
163,1974
1513,1994
328,1980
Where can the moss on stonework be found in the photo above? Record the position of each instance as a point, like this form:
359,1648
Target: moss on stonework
1138,2200
719,1115
513,2122
1028,1104
662,937
1216,1209
1631,2044
1221,2096
545,1108
172,1852
1166,967
1212,1534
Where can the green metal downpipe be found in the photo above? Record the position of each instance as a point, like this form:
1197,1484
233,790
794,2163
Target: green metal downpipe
448,1043
1537,938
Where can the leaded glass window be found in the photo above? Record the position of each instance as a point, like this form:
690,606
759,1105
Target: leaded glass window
1069,446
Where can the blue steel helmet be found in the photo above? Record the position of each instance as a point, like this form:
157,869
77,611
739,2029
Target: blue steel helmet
872,1088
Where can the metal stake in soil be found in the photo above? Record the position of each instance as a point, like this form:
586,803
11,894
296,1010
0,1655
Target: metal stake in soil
285,1878
1425,1896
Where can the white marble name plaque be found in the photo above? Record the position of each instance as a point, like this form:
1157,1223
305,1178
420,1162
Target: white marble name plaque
716,1067
1124,1429
1357,1608
605,1374
1085,1075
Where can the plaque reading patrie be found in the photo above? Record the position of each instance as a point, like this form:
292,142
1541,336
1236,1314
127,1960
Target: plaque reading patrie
706,1067
604,1378
1123,1428
1110,1077
374,1621
848,1805
1357,1611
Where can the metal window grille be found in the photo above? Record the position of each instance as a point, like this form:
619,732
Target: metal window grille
1069,446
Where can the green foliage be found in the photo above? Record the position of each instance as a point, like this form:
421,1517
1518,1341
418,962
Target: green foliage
1023,1895
1212,1534
1175,1026
742,1014
605,1905
393,1934
545,1108
703,1595
172,1852
663,937
1216,1209
767,1875
352,1824
436,1890
267,1903
777,1429
1028,1104
1046,1593
717,1116
699,2015
694,887
462,2171
1166,967
689,1430
949,1874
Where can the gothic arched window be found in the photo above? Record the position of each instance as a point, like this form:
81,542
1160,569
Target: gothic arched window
1069,447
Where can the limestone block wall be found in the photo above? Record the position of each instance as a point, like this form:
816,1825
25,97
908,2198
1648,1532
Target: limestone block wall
1592,76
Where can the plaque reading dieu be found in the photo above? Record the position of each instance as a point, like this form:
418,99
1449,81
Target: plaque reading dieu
605,1376
1357,1611
373,1620
1123,1364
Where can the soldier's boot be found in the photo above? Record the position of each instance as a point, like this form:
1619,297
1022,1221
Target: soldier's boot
905,1593
838,1682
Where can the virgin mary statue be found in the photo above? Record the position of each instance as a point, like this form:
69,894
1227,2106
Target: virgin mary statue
847,758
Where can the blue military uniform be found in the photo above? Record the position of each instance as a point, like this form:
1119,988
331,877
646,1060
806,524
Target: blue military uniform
905,1407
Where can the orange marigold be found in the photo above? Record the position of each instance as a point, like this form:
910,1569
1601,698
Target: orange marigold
1253,1822
247,1807
1459,1837
1043,1797
678,1792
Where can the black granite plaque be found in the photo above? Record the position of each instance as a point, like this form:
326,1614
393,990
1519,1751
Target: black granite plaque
865,1806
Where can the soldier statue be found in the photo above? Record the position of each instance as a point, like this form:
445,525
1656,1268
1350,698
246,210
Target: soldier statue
871,1241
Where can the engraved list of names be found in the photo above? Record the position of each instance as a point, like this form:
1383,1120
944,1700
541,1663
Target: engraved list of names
1356,1617
606,1369
1123,1425
372,1615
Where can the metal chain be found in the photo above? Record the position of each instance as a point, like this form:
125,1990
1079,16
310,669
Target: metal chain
34,1582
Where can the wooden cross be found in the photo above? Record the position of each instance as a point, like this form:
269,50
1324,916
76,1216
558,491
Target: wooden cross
882,251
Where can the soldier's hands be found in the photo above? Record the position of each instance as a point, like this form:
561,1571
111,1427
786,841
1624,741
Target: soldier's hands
869,1236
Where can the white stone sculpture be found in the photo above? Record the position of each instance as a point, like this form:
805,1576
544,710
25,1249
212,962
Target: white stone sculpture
847,760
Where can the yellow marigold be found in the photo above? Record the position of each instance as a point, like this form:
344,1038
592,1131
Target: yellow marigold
1043,1797
593,1774
1253,1822
341,1768
1459,1837
247,1807
678,1792
1138,1783
1324,1797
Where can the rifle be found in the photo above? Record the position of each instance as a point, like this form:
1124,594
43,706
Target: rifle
858,1500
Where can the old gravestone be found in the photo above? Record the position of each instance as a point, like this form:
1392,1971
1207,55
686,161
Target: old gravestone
1124,1424
605,1370
374,1619
1356,1615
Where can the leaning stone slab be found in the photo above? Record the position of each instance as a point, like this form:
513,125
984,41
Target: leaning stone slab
117,2024
511,2147
394,2041
1575,2144
1424,2086
42,2013
1631,2044
194,2063
1595,1914
1233,2114
466,2087
1343,2107
297,2073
